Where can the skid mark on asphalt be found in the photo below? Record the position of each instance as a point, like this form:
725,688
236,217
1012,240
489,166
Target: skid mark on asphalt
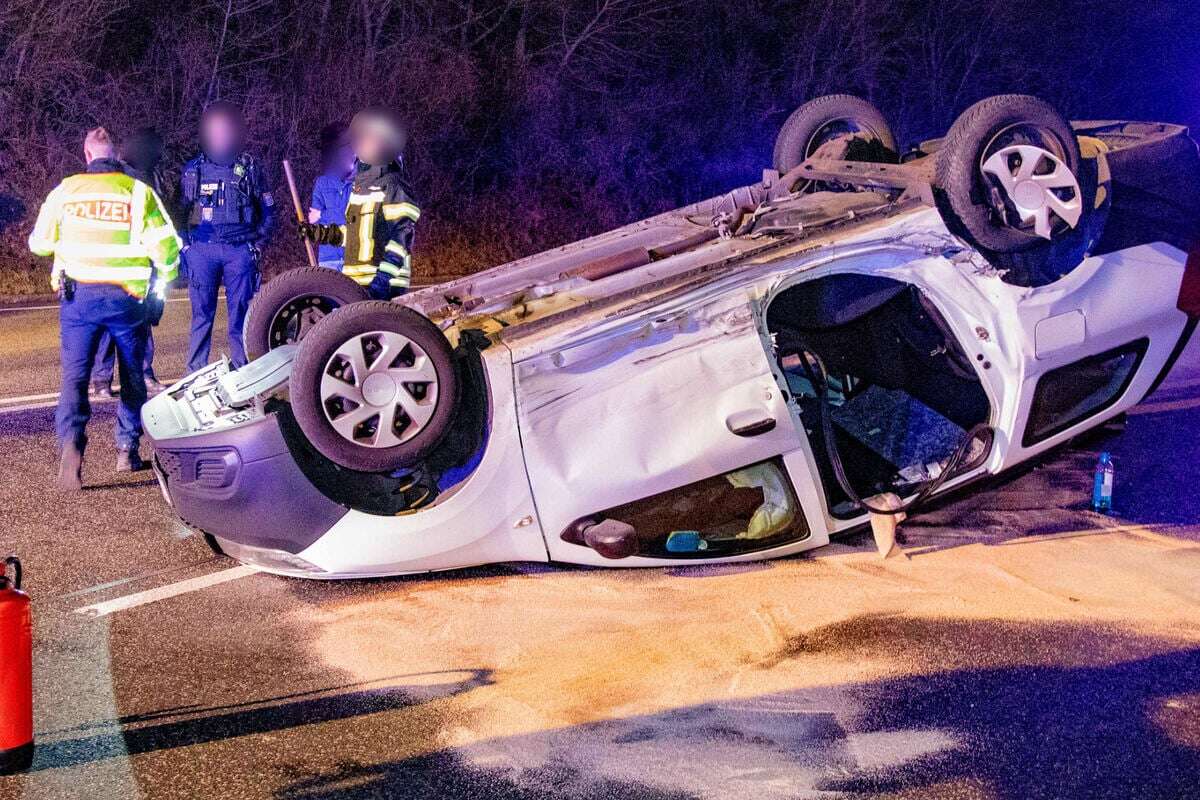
165,592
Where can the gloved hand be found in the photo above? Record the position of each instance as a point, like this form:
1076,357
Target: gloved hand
321,234
380,287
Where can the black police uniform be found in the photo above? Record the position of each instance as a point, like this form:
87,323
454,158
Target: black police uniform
228,213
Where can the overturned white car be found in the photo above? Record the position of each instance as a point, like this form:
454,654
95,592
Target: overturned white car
733,380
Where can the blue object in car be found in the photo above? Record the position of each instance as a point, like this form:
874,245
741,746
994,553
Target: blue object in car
685,542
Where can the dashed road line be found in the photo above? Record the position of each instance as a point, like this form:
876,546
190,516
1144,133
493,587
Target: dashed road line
165,592
1166,406
17,309
101,587
29,402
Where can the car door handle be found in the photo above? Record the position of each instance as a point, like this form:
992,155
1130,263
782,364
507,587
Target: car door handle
749,423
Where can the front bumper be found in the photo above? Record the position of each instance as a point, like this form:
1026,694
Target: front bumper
234,476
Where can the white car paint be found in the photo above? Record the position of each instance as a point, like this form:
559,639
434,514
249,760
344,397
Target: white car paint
641,405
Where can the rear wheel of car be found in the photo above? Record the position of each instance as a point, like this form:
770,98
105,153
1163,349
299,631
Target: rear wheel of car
374,386
1008,171
288,307
826,118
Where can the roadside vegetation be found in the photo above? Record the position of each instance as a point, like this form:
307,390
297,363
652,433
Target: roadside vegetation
535,122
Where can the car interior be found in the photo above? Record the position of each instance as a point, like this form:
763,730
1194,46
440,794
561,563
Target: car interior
900,392
743,511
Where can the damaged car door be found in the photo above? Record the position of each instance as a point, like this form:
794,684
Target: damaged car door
668,428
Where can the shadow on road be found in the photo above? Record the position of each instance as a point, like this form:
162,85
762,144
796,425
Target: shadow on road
1042,722
226,722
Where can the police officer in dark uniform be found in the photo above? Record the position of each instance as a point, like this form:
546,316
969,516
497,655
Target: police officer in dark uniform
228,214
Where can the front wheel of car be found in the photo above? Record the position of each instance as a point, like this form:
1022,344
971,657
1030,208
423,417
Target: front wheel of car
1012,181
292,303
374,386
1009,170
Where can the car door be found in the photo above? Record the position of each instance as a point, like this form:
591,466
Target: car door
653,407
1090,345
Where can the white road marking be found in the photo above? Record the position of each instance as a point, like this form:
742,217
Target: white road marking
165,592
29,398
14,309
100,587
1169,405
29,402
45,404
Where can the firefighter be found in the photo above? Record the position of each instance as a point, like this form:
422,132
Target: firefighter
228,213
381,216
110,236
141,153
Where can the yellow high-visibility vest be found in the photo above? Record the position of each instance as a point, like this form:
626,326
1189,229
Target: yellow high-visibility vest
107,227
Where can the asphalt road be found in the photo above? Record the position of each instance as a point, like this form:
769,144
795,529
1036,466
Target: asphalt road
1028,648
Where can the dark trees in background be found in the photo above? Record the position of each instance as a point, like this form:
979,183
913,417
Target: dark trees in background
535,121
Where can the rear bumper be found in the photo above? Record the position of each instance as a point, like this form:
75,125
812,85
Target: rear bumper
240,485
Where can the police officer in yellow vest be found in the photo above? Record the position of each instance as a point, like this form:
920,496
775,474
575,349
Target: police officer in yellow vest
112,244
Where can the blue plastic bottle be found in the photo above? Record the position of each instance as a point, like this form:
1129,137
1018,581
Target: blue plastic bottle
1102,487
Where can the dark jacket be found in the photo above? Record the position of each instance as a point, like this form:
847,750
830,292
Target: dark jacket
226,203
381,220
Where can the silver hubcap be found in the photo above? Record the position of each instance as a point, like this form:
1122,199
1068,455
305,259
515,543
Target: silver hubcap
379,389
1038,184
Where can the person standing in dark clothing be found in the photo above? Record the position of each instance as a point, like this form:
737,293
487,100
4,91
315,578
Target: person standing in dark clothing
228,214
331,190
381,217
140,156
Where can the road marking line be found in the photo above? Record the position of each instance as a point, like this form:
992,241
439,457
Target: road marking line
165,592
1169,405
29,398
100,587
49,400
15,309
32,406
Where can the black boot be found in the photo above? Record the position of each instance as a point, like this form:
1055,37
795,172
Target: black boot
70,467
129,460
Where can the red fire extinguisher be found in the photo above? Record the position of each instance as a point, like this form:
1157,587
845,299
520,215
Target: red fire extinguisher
16,672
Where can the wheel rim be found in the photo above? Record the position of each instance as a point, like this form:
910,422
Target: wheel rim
296,317
843,126
379,389
1029,186
833,129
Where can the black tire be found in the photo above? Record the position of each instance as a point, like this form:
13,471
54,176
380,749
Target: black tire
316,359
305,294
969,199
819,120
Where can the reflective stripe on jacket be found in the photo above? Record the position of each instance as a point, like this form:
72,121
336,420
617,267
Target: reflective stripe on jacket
106,227
381,221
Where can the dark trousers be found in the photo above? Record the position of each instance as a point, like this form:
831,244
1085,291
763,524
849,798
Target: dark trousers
209,264
97,309
106,357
